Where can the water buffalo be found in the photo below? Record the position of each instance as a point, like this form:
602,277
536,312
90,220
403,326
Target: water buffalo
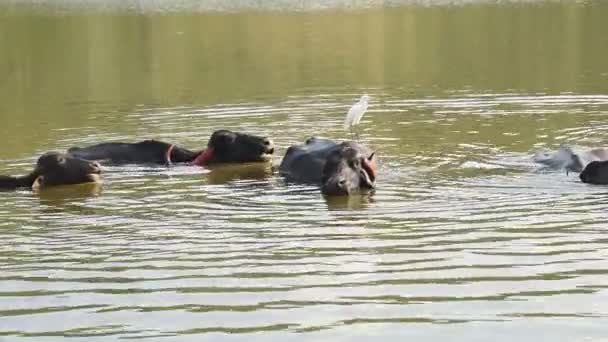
223,147
54,168
595,172
569,159
340,168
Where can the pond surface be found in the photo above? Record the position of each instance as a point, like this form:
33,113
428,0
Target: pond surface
465,238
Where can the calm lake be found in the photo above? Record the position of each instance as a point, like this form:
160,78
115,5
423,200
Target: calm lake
465,239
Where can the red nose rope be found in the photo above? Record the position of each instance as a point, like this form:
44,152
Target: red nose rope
370,167
168,154
203,158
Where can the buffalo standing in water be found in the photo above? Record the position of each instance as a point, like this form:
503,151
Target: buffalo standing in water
340,169
55,168
223,147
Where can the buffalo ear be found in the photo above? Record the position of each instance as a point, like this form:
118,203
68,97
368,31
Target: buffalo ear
369,168
367,180
38,182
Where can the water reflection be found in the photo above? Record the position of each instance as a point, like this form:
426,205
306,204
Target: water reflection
222,174
352,202
59,196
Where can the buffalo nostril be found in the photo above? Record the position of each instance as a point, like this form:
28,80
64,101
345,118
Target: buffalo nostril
342,183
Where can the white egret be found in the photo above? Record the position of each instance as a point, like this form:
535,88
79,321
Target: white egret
355,113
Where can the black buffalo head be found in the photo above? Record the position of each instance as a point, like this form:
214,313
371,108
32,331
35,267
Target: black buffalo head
231,147
348,169
595,172
55,168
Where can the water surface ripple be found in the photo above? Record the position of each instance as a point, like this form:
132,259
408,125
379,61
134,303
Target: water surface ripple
462,232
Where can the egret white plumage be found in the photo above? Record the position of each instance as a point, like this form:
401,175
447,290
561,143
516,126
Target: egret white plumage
355,113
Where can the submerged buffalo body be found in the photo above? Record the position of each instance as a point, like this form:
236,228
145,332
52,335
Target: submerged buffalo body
54,168
223,147
595,172
569,159
340,169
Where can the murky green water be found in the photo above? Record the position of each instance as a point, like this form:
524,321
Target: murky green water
463,240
